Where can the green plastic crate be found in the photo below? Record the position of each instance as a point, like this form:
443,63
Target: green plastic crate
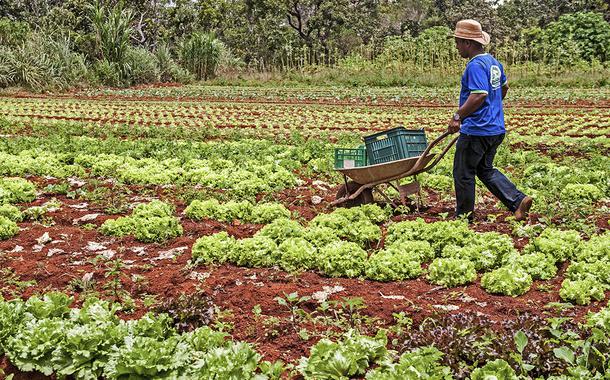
347,158
395,144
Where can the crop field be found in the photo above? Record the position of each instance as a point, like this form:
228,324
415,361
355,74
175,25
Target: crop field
186,232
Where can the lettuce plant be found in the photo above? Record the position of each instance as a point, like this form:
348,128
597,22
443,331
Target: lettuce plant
507,281
538,265
8,228
214,249
342,259
297,254
498,369
559,244
391,265
421,363
451,272
345,359
421,249
16,190
11,213
256,252
281,229
581,292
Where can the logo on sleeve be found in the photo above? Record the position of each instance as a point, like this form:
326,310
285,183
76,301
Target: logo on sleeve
495,75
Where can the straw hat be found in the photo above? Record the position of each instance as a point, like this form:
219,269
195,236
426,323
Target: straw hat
471,30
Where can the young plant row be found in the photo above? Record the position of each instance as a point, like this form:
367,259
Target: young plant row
336,245
46,334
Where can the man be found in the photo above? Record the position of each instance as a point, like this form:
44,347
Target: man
480,121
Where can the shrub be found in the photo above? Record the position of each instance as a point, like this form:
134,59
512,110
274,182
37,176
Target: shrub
141,66
507,281
200,55
451,272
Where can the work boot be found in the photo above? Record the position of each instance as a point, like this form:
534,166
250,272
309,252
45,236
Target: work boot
524,208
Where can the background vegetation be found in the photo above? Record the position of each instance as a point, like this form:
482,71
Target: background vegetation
56,45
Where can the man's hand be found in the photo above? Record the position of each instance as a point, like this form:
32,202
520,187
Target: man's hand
454,126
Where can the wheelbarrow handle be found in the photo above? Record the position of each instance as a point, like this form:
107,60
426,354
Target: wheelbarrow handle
429,148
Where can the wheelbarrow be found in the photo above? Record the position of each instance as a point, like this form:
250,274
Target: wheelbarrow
365,179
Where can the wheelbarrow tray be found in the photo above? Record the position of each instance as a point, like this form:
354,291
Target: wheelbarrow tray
387,170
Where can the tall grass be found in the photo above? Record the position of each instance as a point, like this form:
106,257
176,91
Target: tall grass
200,54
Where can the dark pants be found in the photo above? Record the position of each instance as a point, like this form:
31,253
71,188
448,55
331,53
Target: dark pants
474,155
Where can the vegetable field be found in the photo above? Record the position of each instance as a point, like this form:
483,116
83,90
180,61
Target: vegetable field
186,232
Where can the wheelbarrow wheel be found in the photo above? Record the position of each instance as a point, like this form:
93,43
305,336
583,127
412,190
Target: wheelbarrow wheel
365,197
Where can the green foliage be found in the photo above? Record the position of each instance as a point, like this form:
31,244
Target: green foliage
257,252
200,54
596,249
11,212
342,259
487,250
141,66
498,369
297,254
577,36
581,193
422,363
538,265
438,234
393,265
261,213
8,228
214,249
580,270
508,281
600,320
16,190
345,359
281,229
561,245
354,224
581,292
420,249
451,272
150,222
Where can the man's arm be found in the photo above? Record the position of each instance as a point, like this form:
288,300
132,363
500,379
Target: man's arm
473,103
504,90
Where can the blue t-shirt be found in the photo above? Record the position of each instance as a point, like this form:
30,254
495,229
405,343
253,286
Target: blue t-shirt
484,74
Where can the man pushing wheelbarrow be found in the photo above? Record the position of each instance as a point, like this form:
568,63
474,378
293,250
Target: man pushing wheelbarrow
480,121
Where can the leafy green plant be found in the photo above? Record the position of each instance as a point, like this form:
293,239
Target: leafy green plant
421,363
256,252
281,229
559,244
214,249
151,222
8,228
16,190
451,272
497,369
508,281
582,292
486,250
297,254
11,212
342,258
344,359
538,265
394,265
200,55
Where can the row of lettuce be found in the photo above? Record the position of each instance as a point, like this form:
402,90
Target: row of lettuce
343,244
338,245
46,334
335,244
247,167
